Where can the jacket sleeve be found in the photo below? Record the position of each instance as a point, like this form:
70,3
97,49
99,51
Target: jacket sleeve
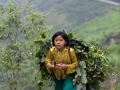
48,61
74,62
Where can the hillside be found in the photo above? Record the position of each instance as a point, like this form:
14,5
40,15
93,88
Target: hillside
81,17
100,27
68,14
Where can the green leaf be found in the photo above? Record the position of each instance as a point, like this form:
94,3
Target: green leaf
39,41
40,83
74,80
82,64
84,79
70,35
76,76
42,59
83,71
78,71
37,54
84,87
43,35
79,86
45,51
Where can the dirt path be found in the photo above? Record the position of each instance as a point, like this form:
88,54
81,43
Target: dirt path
111,2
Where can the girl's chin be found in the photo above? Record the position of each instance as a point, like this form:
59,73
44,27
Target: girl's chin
59,48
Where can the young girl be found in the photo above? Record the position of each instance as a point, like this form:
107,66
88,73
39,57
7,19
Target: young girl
60,62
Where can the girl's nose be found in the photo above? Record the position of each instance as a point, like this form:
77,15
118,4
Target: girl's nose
58,41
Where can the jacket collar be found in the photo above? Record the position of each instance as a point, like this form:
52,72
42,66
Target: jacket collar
60,51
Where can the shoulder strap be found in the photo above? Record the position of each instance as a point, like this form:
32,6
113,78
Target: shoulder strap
54,60
69,51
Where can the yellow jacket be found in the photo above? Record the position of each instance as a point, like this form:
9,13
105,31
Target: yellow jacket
61,57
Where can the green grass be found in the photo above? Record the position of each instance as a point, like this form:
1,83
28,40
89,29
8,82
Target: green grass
99,28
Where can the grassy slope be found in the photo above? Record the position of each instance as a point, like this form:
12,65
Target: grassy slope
70,14
100,27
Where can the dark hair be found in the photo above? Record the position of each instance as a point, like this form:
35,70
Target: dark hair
62,34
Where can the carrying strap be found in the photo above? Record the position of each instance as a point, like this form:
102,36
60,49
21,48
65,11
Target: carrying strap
69,52
54,60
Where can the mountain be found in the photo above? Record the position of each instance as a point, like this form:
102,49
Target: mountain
68,14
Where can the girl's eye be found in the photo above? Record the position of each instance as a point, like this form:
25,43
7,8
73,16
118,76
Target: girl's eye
59,40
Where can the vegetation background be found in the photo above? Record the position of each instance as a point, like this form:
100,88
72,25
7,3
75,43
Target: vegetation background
92,20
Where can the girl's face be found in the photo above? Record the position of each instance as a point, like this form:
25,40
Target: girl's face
59,42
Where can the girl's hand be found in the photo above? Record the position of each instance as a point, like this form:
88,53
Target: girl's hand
53,67
62,66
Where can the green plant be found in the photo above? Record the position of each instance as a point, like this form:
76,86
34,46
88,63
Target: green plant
19,28
92,65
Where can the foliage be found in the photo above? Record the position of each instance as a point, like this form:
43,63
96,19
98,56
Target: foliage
41,54
92,65
95,63
20,26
